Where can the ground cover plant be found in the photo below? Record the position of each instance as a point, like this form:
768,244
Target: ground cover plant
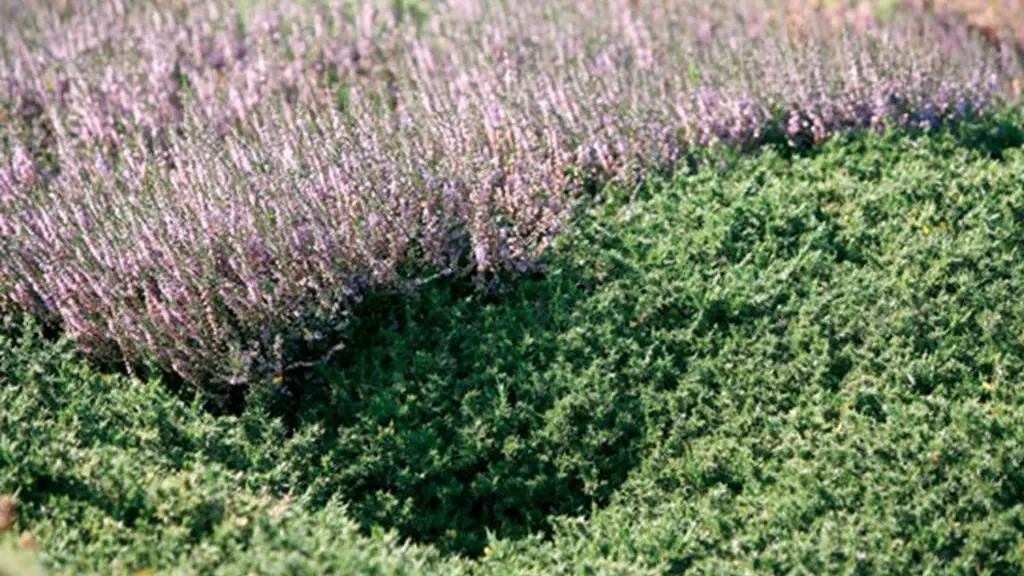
470,286
212,193
786,362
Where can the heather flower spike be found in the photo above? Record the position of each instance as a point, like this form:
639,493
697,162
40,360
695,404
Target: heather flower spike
214,192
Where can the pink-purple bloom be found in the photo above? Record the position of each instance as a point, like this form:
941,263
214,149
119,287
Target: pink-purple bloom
214,192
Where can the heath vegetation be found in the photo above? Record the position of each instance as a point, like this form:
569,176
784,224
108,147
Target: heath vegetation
479,286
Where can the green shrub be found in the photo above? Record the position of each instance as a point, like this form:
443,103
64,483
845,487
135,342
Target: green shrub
793,363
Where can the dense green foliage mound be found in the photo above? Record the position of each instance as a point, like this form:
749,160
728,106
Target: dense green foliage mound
807,362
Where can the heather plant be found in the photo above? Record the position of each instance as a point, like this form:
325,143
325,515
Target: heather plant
792,361
214,194
111,66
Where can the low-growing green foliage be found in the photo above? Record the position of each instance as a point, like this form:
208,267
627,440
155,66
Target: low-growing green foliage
212,191
803,362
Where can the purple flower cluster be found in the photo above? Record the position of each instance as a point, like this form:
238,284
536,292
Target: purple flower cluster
213,192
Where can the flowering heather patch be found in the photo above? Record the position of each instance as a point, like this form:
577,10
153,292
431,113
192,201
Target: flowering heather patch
214,193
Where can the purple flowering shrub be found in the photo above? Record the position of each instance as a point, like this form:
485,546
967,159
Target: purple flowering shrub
212,193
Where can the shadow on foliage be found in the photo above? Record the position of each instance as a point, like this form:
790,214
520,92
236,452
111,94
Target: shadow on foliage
452,414
992,134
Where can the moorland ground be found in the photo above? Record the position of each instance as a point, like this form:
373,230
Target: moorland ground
463,288
773,363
